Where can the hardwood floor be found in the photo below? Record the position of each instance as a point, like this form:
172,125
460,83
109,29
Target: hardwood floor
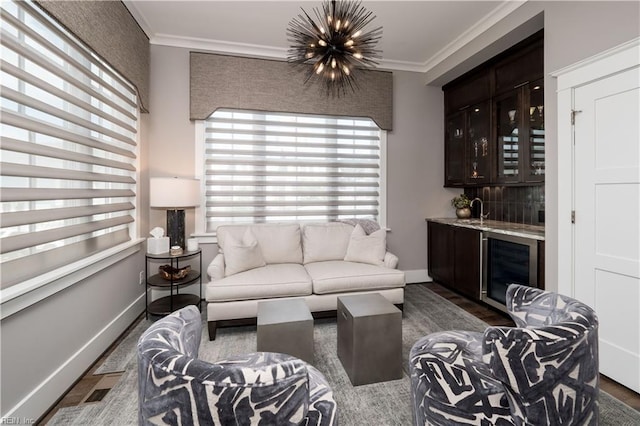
494,317
91,387
91,384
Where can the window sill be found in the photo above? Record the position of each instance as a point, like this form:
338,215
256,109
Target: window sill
204,238
212,238
21,296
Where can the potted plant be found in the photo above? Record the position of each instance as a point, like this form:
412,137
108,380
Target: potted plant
463,206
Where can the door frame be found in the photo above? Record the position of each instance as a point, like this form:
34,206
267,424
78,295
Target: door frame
612,61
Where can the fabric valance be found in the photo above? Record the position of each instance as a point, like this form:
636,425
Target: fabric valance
221,81
108,28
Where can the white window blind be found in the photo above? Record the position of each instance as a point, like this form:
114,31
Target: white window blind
67,146
275,167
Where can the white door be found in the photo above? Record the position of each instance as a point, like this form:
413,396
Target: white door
607,217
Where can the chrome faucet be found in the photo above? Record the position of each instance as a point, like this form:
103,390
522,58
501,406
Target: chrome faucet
482,215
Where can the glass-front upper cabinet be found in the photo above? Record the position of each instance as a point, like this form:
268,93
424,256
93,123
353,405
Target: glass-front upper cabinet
467,150
479,152
454,149
519,116
508,112
536,154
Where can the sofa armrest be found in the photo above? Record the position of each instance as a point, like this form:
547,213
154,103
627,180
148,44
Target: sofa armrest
216,268
390,260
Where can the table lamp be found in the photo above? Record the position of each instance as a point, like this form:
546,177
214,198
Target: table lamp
175,194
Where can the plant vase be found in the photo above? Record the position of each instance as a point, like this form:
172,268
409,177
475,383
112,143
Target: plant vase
463,213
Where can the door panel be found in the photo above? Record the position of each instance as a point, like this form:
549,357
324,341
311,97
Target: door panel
607,225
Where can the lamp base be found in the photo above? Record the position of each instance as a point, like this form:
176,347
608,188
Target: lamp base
175,227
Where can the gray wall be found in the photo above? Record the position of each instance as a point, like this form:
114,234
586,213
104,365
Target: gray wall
48,346
415,168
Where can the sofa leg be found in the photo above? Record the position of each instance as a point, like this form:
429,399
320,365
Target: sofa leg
213,327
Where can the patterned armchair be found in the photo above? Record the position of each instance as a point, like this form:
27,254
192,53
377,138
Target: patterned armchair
176,388
542,372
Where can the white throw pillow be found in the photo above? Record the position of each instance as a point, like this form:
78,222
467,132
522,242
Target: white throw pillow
365,248
242,254
325,241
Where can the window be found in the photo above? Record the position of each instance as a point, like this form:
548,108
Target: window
68,129
276,167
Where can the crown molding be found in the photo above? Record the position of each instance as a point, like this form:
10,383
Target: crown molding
257,51
270,52
491,19
393,65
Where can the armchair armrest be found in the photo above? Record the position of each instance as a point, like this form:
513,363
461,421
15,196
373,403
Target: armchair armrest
528,359
254,382
216,268
390,260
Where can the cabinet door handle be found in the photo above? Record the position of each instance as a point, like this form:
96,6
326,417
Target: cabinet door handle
521,84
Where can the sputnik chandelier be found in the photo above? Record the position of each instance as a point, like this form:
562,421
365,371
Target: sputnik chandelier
336,44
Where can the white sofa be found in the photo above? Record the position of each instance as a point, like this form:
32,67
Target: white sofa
317,262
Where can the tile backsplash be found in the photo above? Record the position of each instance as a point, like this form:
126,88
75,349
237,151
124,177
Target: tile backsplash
522,204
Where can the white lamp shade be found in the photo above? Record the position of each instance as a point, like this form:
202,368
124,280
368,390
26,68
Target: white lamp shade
174,192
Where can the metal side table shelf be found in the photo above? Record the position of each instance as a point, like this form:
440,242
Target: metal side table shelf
167,304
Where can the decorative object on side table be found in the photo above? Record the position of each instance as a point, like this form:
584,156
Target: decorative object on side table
175,194
463,206
158,244
170,273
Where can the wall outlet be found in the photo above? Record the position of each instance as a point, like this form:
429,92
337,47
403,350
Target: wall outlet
141,278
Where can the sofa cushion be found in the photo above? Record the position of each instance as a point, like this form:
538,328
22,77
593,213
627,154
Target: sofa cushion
242,255
280,243
338,276
367,248
280,280
325,241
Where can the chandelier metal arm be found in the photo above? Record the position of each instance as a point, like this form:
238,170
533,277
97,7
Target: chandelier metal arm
335,43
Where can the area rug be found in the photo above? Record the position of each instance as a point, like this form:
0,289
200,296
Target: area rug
381,404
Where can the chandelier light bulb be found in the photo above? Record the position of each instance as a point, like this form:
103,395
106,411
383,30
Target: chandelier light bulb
335,44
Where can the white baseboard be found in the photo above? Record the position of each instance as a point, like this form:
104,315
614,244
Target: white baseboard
42,398
417,276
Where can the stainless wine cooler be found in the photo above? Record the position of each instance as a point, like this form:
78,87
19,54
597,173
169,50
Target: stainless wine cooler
507,259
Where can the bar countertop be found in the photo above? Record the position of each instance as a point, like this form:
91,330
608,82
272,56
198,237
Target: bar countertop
535,232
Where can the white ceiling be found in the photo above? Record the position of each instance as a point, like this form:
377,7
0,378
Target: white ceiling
417,35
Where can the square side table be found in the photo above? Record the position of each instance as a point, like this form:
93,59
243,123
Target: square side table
369,338
286,326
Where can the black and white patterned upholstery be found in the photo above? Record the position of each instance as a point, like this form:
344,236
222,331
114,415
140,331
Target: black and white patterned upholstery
542,372
262,388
